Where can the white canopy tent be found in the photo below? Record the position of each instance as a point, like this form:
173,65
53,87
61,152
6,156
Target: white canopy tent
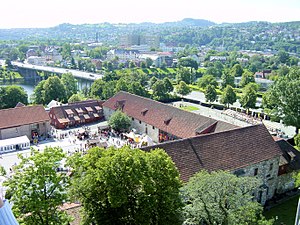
148,140
12,144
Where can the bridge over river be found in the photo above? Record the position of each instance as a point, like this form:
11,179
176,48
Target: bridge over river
29,70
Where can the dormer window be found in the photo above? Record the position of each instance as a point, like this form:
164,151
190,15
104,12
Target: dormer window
167,121
144,111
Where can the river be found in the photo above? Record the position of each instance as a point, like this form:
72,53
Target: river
29,86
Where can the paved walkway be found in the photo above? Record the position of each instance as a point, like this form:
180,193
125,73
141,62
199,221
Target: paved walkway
288,131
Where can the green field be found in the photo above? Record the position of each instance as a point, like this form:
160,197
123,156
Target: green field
189,108
285,212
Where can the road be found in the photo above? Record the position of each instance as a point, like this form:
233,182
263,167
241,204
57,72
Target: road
76,73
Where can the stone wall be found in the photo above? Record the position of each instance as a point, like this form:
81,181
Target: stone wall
267,172
286,182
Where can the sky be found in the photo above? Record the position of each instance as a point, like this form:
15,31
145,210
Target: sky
49,13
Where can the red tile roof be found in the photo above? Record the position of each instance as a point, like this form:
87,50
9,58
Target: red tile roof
180,123
62,112
22,115
228,150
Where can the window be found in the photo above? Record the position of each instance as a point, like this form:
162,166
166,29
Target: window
140,122
153,127
271,166
255,171
132,119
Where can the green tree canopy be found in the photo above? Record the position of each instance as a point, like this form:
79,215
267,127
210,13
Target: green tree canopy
188,62
159,91
70,84
54,90
248,98
12,95
125,186
168,85
182,88
38,96
237,70
221,198
206,80
119,121
97,88
38,189
210,93
247,78
228,96
227,79
76,98
184,74
284,98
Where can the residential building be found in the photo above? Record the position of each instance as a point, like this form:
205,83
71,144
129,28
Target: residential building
32,121
122,54
77,113
160,121
36,60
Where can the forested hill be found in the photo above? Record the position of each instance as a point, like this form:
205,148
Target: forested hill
197,32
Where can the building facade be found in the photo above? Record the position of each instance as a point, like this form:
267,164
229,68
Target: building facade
77,113
32,121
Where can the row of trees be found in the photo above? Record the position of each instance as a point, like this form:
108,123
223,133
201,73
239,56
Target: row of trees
125,186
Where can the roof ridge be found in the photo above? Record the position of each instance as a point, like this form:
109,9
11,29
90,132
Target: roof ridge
164,104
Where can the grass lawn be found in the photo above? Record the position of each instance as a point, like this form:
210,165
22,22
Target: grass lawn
286,212
189,108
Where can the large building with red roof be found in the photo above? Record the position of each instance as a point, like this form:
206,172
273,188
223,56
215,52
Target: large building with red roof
160,121
25,120
198,143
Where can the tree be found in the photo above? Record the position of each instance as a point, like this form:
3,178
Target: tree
182,88
76,98
2,171
70,84
227,79
247,78
248,98
125,186
137,89
119,121
297,141
228,96
121,85
54,90
184,74
237,70
38,96
152,81
97,88
283,57
206,80
211,93
159,91
188,62
168,85
38,189
222,198
13,95
132,65
149,62
284,98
